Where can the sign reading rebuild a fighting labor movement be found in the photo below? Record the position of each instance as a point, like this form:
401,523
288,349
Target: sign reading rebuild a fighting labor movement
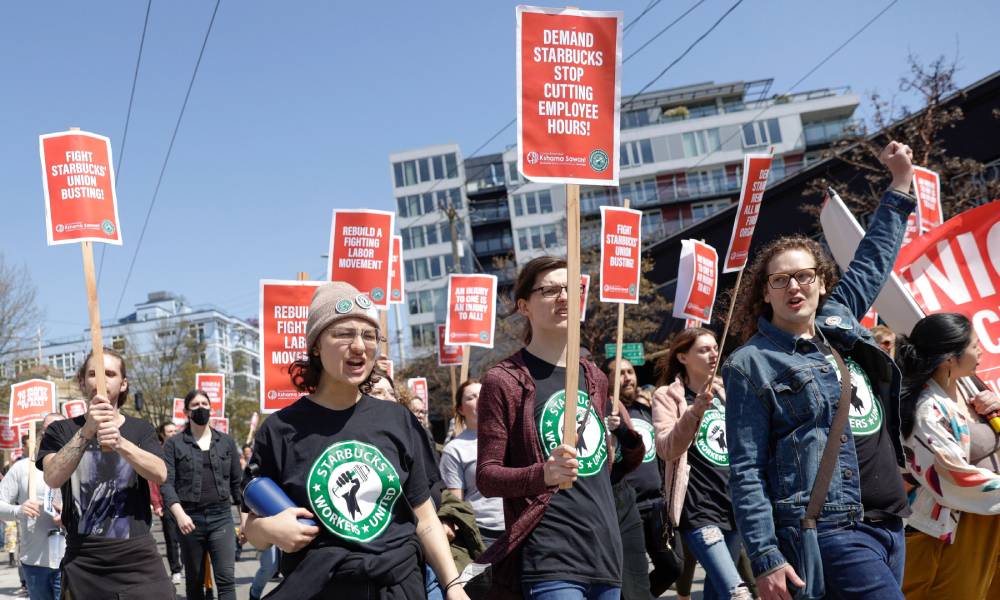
696,281
214,386
361,251
956,268
284,310
472,301
568,94
927,188
78,181
621,242
756,168
31,400
448,356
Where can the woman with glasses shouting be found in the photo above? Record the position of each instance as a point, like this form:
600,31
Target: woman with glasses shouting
558,543
354,464
797,322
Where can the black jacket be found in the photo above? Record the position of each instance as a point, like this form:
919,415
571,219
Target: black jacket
184,464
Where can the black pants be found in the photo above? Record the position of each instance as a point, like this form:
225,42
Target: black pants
665,565
172,540
213,533
635,579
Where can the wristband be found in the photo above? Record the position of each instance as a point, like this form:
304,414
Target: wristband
453,582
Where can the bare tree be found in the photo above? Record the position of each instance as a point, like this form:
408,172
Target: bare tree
19,312
165,369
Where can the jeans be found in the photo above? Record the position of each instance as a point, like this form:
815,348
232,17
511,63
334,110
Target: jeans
171,539
666,564
213,533
268,567
634,572
717,550
434,591
864,560
570,590
42,582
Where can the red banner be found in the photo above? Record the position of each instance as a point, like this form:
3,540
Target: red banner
472,303
418,386
74,408
568,95
31,400
214,386
448,356
584,296
79,185
927,188
397,282
219,424
361,251
697,277
284,310
956,268
756,168
179,417
621,245
9,438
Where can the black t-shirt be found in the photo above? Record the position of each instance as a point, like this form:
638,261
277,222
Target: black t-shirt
358,470
104,497
577,538
647,478
209,491
707,499
882,492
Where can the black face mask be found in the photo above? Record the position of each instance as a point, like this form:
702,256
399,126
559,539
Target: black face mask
200,415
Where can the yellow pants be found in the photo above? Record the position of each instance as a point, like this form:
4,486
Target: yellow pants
963,570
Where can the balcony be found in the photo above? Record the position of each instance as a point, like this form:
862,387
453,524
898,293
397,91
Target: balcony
492,246
820,134
482,215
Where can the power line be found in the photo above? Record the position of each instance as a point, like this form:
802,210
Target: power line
664,30
166,159
648,8
128,117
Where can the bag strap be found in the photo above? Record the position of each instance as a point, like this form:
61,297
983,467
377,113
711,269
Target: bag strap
832,448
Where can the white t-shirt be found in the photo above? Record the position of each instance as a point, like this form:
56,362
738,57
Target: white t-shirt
458,471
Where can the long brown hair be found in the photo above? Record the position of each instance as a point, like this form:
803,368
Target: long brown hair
526,282
750,304
670,366
81,373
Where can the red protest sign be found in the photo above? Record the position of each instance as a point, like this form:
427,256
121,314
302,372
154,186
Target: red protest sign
448,356
284,310
361,251
214,386
689,323
756,168
696,281
79,185
31,400
956,268
74,408
472,301
870,319
418,386
397,282
621,243
9,438
219,424
179,417
585,284
927,188
913,227
568,95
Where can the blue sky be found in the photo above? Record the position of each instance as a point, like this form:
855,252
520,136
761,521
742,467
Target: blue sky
298,104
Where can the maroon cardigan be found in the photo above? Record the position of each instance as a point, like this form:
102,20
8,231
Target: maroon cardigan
510,460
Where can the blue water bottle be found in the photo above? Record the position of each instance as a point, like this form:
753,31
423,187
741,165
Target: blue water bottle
263,496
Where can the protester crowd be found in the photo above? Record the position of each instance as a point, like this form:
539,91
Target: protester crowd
818,459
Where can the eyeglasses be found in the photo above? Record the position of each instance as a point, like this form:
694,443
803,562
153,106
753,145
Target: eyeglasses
780,281
345,336
553,291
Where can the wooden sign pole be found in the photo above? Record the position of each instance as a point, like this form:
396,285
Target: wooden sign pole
383,325
454,390
466,357
573,315
618,349
29,452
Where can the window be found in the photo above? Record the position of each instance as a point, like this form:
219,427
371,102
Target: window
761,133
420,302
423,335
701,210
701,142
636,153
652,226
411,172
118,344
711,181
539,237
397,170
64,362
23,364
533,203
438,163
450,165
592,199
635,118
641,192
425,169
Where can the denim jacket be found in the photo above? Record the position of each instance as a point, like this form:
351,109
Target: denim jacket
782,395
184,464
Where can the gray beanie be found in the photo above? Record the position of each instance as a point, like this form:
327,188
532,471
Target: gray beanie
336,301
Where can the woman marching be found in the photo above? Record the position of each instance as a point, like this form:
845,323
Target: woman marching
203,481
559,543
354,464
953,543
690,427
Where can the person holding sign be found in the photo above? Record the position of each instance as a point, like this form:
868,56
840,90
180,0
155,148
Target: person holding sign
951,455
559,542
356,462
102,462
805,358
690,424
203,481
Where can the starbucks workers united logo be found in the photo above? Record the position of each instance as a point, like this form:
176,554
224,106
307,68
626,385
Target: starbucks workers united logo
592,451
710,440
866,411
352,490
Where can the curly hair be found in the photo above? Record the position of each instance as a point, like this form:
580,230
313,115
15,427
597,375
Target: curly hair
306,372
750,304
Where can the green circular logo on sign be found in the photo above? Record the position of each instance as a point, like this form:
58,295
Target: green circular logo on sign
866,412
108,227
352,490
592,451
599,160
645,429
710,441
377,295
